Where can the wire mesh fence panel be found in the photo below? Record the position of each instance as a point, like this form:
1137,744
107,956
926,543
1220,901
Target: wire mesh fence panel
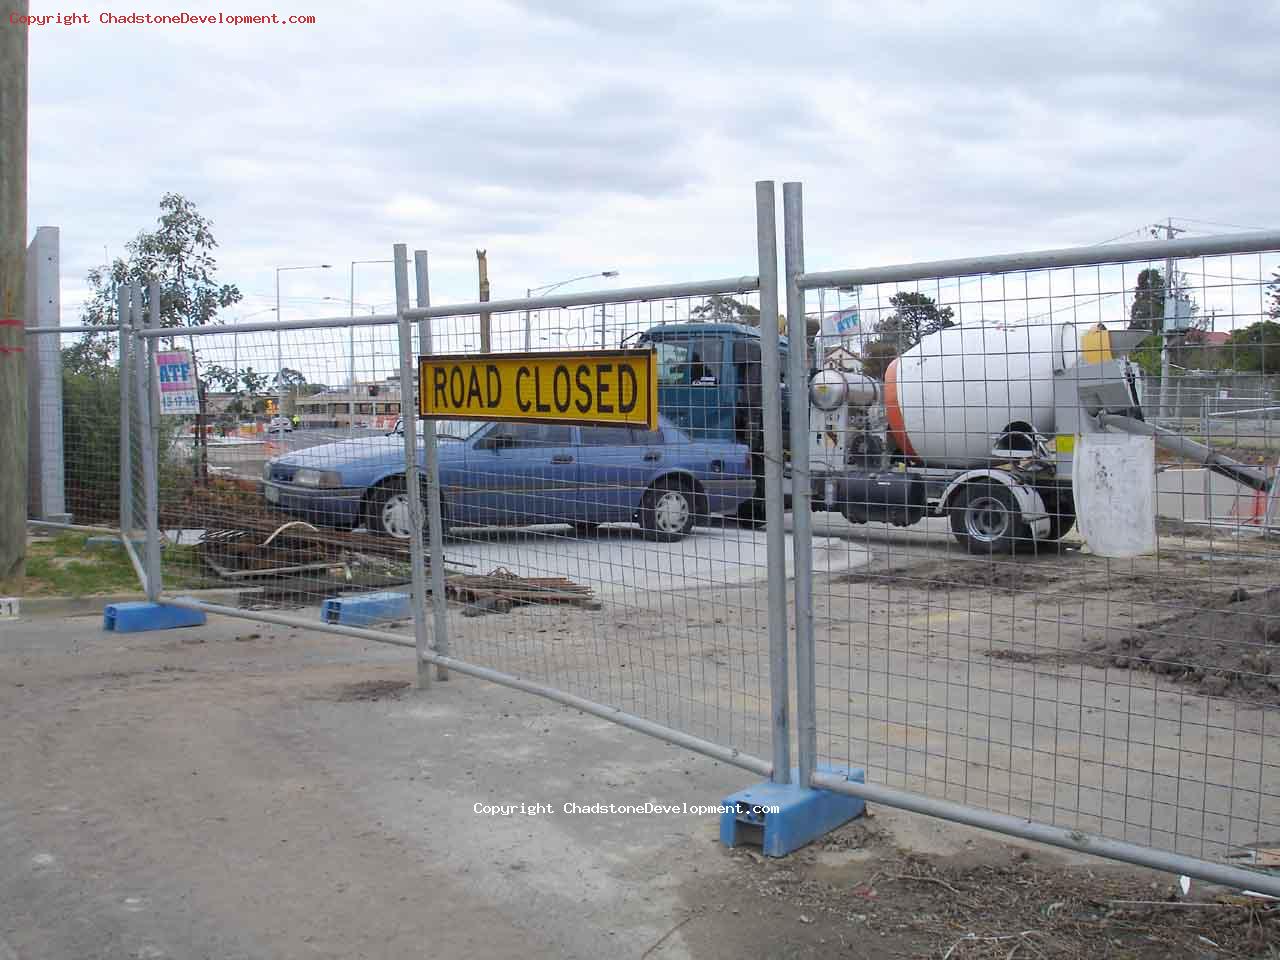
74,467
273,492
619,563
74,402
985,650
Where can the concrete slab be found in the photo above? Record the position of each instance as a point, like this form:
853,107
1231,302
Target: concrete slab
1195,495
620,561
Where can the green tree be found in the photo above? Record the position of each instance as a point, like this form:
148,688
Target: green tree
246,385
914,317
1256,348
1147,312
877,356
1186,347
91,435
289,379
178,254
722,309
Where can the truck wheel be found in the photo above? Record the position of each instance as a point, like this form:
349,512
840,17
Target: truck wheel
668,511
1062,515
1060,525
987,520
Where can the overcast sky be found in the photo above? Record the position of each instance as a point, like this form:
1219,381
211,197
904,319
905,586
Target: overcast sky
574,136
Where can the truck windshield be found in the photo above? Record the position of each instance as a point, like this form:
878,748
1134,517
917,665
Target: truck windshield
689,362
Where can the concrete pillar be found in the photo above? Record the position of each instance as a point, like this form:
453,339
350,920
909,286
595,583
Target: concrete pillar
46,491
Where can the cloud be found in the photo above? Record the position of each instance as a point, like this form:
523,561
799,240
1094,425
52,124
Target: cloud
567,137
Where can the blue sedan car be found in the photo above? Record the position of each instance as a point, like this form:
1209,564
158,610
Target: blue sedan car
516,474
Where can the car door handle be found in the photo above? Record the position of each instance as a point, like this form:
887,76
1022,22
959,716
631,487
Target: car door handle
562,458
653,455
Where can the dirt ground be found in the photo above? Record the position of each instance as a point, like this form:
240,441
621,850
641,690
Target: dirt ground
244,791
1227,647
1207,610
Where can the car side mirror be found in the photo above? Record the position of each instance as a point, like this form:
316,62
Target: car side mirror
499,441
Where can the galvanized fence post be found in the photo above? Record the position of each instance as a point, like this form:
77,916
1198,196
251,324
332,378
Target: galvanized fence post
774,504
802,518
144,352
435,527
124,307
1207,438
413,489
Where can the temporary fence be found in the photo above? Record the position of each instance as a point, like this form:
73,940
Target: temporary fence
987,666
954,637
569,559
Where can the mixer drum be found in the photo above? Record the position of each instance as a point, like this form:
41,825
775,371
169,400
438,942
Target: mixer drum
952,396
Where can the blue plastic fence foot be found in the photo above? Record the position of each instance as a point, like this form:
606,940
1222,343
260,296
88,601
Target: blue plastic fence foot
783,817
139,616
366,609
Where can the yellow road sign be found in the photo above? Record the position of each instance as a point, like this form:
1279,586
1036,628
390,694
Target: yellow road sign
584,386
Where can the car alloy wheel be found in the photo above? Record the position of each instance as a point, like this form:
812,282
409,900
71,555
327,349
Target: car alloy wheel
671,512
394,516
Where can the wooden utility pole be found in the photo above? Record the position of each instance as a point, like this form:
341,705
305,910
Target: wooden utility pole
13,272
482,263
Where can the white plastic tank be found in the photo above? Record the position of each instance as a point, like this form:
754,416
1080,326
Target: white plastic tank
951,397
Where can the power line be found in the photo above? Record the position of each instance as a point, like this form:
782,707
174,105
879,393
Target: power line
1219,223
1139,231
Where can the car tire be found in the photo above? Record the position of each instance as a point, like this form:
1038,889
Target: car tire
751,513
388,509
986,520
668,511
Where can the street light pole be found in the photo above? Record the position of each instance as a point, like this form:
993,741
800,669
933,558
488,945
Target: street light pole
547,288
279,341
351,349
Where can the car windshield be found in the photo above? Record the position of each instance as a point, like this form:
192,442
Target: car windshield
447,429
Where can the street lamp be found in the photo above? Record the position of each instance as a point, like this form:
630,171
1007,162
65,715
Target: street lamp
351,345
235,350
547,288
279,344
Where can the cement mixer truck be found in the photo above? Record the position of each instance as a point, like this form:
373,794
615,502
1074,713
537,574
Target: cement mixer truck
974,424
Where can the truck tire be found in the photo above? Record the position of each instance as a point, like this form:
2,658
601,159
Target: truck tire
985,519
1062,514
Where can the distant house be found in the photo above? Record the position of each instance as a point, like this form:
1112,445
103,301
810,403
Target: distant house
844,358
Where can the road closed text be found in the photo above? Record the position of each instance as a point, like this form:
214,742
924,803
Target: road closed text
602,387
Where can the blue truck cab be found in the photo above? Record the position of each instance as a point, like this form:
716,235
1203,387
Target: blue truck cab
710,381
711,385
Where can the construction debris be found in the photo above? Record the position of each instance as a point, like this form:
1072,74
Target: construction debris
501,589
